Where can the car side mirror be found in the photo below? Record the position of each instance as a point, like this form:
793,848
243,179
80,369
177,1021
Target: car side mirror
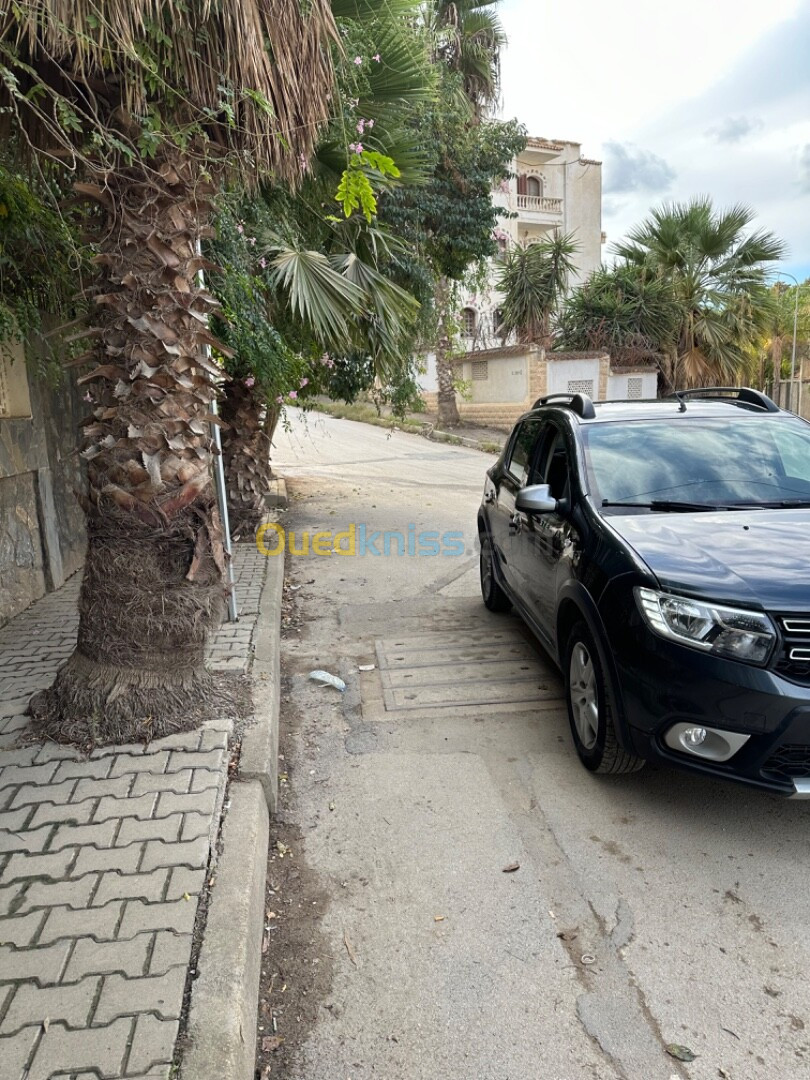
536,499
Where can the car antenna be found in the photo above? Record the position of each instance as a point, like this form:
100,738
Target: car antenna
680,398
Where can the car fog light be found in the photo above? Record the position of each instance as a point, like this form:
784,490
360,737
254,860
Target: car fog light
694,736
712,744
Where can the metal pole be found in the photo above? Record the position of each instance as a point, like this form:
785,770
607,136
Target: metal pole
222,498
219,481
798,402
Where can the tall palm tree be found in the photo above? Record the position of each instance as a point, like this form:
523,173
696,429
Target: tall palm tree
533,281
151,105
718,269
468,38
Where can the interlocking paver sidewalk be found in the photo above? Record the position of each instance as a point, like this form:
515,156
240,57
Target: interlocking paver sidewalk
98,904
37,641
102,863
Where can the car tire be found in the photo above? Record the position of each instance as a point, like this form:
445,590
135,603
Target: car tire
494,596
591,707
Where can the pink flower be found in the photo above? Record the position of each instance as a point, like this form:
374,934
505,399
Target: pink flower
361,127
358,148
240,229
279,400
263,263
293,394
88,396
304,382
250,381
358,60
369,123
253,241
378,58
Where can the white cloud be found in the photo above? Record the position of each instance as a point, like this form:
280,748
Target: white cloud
733,129
628,168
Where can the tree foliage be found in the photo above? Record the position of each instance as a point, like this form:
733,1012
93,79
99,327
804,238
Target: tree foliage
717,269
533,281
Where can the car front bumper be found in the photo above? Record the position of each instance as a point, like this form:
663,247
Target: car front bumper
662,683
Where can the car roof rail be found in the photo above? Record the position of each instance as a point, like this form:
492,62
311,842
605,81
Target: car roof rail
581,404
742,395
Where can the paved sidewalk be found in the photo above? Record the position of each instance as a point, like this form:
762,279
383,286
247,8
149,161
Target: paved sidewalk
102,863
37,641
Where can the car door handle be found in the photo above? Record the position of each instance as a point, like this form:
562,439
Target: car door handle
489,497
515,524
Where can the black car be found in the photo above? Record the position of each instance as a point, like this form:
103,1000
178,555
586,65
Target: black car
660,551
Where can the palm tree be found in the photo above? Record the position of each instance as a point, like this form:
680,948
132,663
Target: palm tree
151,112
468,38
626,310
533,281
718,270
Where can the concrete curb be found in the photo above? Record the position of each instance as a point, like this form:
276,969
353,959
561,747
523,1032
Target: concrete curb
259,760
276,495
223,1014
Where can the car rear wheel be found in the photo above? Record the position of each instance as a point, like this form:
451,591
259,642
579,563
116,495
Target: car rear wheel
494,596
591,708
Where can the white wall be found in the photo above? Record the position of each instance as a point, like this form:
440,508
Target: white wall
620,386
563,372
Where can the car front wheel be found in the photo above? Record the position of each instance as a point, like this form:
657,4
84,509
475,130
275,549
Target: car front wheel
591,708
494,596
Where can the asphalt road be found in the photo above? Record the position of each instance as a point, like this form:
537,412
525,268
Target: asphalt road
451,761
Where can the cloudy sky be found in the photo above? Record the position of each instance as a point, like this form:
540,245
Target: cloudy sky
699,97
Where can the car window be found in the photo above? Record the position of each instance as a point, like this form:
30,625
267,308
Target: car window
745,460
523,448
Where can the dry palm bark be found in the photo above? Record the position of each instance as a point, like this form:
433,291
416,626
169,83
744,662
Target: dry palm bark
152,588
246,455
238,88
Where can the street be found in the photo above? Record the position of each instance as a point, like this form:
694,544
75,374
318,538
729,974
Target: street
648,911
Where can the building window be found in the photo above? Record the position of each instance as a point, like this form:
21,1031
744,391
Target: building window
635,388
534,186
469,321
581,386
480,369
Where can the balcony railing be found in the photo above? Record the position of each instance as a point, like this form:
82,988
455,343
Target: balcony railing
539,203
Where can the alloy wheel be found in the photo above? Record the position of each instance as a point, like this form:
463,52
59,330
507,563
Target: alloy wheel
584,696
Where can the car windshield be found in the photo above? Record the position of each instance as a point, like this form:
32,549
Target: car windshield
699,463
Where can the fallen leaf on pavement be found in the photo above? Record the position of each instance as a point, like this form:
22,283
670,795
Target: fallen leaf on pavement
438,918
271,1043
365,667
511,868
46,1023
682,1053
349,948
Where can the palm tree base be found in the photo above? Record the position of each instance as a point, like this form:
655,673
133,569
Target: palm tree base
97,704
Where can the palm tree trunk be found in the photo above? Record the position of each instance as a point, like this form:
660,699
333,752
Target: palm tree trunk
153,579
448,407
246,457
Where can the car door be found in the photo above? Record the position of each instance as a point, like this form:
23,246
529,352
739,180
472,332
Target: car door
549,540
503,519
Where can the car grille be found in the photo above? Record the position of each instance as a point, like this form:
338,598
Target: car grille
790,761
793,661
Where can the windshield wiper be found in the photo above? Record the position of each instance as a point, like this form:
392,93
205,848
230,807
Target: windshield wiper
785,504
668,504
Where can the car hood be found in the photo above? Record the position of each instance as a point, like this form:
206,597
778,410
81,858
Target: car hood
758,557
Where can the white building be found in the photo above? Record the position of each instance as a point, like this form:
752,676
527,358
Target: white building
553,189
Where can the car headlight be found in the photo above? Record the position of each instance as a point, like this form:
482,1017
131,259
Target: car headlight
725,631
